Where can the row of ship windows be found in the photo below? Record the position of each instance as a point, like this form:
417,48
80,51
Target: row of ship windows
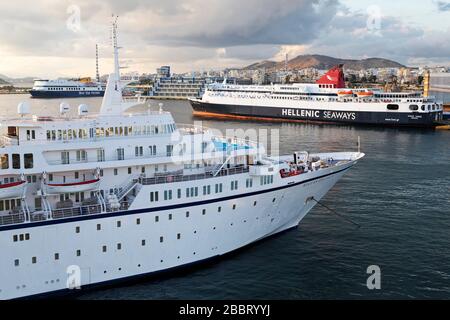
9,204
82,155
218,188
28,162
70,134
119,224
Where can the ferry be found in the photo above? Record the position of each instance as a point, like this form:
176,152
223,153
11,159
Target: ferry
62,88
69,88
327,100
95,199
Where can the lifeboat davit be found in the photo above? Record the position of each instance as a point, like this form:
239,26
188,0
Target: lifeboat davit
12,190
345,93
54,188
365,94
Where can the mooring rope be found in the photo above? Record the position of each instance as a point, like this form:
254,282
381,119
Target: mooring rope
336,213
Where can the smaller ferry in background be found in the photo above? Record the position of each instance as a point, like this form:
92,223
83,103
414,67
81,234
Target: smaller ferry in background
72,88
77,88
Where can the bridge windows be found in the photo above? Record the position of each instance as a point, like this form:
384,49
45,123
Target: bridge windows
234,185
206,190
191,192
153,196
81,155
65,158
101,155
120,154
139,151
16,161
169,150
249,183
28,160
168,195
31,134
218,187
4,161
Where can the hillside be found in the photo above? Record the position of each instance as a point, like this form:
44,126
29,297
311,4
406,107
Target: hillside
17,81
261,65
325,62
3,82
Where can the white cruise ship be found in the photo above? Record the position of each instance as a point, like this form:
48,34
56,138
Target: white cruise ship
90,200
327,100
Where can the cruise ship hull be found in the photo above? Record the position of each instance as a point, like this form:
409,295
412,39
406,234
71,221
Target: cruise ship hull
65,94
203,235
383,118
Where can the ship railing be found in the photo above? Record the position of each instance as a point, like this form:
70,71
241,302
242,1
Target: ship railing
200,176
12,219
124,205
76,211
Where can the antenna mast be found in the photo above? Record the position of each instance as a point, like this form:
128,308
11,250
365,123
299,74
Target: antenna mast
116,53
96,63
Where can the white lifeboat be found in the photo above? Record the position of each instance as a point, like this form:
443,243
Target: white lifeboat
58,188
12,190
345,93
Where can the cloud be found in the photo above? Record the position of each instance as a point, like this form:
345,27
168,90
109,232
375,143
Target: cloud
443,6
198,34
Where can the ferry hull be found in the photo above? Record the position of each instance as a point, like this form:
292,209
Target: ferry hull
411,119
65,94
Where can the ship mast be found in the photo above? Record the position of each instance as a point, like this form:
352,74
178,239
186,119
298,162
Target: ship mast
113,103
96,63
115,53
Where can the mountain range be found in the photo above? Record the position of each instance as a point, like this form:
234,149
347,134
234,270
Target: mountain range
322,62
3,82
16,81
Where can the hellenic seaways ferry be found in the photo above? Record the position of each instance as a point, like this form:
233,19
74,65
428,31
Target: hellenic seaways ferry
327,100
84,87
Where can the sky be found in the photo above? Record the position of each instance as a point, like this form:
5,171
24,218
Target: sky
56,38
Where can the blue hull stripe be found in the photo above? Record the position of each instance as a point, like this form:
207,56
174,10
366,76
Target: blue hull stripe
164,208
65,94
